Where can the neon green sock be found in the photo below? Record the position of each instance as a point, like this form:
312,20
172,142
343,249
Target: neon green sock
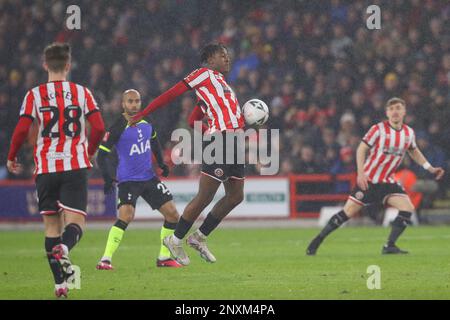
114,239
164,253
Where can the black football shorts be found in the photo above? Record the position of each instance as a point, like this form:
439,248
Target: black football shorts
376,193
153,191
222,170
62,191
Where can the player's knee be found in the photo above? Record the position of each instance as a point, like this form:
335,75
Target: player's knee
77,219
235,198
53,230
126,213
351,209
204,200
171,215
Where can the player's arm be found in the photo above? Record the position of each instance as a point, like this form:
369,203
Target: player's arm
158,152
420,159
27,115
18,138
192,81
97,132
361,154
162,100
104,155
95,119
197,115
107,168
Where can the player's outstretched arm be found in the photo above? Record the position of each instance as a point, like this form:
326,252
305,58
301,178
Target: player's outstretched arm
162,100
361,153
19,136
158,152
420,159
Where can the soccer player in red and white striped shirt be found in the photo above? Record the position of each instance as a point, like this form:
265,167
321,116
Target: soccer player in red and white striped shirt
387,143
218,102
62,156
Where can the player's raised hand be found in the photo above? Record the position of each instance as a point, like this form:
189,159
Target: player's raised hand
14,167
165,170
362,182
437,172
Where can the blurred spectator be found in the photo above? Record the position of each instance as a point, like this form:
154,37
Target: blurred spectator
345,164
308,162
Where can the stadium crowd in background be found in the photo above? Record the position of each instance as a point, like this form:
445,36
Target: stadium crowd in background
324,75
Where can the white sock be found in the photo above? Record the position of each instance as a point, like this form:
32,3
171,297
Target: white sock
176,240
65,249
200,234
62,285
106,259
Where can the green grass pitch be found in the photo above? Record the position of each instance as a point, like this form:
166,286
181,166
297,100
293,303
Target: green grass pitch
252,264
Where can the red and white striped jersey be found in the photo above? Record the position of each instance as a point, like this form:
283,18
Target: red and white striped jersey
387,149
61,108
220,103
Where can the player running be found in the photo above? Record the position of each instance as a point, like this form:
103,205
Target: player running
219,103
61,155
387,143
136,177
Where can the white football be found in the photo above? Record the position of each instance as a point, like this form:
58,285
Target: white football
256,112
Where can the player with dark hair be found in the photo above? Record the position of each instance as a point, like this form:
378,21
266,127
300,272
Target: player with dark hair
136,177
62,156
218,102
387,143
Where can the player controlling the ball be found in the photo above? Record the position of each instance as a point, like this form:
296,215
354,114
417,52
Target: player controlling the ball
62,157
387,143
136,177
220,105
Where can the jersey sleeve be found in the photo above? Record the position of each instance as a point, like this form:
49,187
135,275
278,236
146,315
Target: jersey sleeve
90,103
112,136
149,120
372,136
154,134
413,144
196,78
28,107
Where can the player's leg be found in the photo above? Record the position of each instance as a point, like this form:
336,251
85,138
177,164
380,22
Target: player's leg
234,194
351,208
128,195
53,227
72,204
171,217
158,196
406,208
47,186
207,189
115,235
